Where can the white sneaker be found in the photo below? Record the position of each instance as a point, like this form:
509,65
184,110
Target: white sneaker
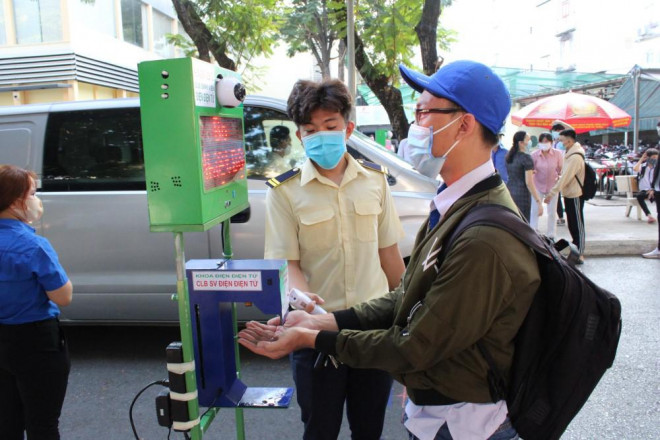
653,254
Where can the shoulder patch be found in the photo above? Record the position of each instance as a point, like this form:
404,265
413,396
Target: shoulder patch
373,166
287,175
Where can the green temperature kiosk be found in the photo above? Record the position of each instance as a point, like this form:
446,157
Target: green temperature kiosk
194,153
193,144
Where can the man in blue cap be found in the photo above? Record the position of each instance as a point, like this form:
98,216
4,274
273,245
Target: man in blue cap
425,331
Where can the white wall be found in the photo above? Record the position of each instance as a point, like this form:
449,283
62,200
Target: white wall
605,37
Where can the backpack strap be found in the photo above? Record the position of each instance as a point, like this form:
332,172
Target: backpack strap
578,180
500,216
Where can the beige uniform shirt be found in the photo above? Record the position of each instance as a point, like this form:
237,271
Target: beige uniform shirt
334,231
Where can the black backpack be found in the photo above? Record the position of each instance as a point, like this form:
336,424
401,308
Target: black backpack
590,181
565,344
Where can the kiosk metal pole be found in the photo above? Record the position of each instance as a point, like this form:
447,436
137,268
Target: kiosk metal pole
186,330
227,253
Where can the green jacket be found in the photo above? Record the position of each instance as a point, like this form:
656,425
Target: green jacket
424,332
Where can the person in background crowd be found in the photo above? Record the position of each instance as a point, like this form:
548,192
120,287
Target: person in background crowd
425,332
498,156
547,166
645,168
388,141
557,127
570,185
335,222
34,358
520,168
653,192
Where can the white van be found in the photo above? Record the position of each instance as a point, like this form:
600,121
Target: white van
89,159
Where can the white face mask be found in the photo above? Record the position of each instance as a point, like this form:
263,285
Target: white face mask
34,209
420,141
545,147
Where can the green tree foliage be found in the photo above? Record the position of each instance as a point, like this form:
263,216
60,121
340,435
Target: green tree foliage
387,32
233,32
311,26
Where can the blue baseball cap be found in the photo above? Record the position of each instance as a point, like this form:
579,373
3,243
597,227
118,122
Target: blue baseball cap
471,85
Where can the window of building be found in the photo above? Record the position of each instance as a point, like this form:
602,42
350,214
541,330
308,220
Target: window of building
162,27
3,30
134,22
94,150
97,15
37,21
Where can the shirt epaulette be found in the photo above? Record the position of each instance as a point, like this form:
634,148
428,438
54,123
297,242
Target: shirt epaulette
373,166
278,180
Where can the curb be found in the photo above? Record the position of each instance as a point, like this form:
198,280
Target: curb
602,248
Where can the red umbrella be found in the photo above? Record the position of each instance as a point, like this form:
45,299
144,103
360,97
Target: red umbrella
583,112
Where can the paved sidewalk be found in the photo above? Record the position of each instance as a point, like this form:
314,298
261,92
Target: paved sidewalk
610,232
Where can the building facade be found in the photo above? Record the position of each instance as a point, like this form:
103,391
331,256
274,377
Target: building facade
608,36
69,50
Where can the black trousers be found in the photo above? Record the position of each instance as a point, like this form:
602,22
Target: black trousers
657,208
321,394
34,373
575,219
641,198
560,207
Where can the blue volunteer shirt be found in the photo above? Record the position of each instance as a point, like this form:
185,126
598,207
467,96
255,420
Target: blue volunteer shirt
28,268
499,162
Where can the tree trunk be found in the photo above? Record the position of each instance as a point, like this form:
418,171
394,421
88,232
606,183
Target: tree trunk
201,36
389,96
341,60
426,31
186,13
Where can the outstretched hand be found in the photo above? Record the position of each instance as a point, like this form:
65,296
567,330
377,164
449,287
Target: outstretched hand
275,341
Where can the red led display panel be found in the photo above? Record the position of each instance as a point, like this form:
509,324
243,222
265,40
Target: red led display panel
222,149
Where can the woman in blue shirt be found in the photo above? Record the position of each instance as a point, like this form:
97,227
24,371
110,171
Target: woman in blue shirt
34,360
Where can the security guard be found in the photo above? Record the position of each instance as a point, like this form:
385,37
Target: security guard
334,220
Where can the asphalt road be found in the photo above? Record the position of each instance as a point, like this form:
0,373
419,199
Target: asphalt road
111,364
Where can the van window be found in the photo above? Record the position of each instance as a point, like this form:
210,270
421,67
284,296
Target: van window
94,150
271,144
15,146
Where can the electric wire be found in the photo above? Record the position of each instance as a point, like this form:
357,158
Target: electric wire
164,383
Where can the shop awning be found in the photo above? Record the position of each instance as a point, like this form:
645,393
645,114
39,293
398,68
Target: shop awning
649,100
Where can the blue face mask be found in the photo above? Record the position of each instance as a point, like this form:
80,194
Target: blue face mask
555,135
325,148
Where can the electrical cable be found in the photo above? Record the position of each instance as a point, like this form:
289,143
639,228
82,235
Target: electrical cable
164,383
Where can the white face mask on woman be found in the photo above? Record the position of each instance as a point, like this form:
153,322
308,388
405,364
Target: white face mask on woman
33,211
420,141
